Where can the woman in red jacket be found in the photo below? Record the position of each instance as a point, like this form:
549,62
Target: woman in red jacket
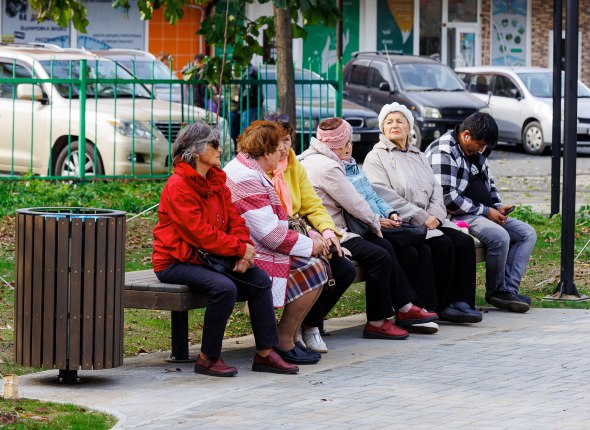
196,213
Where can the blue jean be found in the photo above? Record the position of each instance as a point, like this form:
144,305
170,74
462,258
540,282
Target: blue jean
222,293
508,249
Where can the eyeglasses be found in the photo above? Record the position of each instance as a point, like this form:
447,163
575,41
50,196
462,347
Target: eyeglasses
282,119
349,143
215,144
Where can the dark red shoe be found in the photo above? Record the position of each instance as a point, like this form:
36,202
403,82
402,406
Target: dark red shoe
386,331
415,315
215,367
273,363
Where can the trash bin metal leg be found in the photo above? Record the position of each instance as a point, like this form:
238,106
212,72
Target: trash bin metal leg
180,338
68,376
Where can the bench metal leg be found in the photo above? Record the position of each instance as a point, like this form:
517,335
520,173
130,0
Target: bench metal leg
180,338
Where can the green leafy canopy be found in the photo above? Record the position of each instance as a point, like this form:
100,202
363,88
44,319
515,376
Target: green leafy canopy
242,32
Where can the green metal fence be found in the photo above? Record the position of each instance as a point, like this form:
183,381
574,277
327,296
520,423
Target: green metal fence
47,108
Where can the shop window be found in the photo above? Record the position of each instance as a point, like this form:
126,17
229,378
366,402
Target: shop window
430,27
463,11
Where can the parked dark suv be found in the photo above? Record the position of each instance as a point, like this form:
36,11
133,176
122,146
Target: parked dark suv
431,90
315,101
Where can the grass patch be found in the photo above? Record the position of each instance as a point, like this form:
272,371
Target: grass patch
149,331
26,414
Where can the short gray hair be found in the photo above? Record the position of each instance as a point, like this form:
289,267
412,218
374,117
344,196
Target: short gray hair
193,139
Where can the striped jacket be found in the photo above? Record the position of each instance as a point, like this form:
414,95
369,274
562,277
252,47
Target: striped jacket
256,200
451,169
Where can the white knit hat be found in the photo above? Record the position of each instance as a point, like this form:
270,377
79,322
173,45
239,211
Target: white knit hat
395,107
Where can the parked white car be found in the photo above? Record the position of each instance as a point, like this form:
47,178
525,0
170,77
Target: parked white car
128,132
520,99
144,65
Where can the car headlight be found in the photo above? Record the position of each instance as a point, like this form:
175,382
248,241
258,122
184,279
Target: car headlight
430,112
372,122
306,124
132,128
486,109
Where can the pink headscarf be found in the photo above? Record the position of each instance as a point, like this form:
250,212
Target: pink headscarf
336,138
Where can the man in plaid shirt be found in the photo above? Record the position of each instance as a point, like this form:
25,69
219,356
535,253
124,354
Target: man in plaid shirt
459,162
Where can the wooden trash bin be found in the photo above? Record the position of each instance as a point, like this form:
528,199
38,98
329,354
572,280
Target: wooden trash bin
70,270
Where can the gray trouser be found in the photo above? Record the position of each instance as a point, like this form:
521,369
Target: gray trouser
508,249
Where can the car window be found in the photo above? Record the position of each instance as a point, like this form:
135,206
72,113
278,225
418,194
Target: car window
540,84
9,70
359,74
480,83
303,91
428,77
70,69
380,74
504,87
147,69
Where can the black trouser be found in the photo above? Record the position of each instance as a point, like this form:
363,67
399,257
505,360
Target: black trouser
343,272
222,293
386,284
416,262
453,260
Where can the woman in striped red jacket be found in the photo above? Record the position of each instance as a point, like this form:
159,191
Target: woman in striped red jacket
287,256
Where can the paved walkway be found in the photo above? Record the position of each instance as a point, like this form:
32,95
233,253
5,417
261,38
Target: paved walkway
511,371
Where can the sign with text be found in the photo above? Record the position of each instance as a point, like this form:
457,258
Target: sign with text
112,28
395,25
19,24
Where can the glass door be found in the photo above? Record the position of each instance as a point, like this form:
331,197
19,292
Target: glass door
461,47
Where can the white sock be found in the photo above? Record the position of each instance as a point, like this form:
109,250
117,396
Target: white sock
406,308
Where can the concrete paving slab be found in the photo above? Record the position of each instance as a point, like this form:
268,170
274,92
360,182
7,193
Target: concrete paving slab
511,371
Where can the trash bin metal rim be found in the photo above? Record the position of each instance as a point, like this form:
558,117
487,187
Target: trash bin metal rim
70,212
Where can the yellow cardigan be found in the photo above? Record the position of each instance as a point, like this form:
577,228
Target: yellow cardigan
305,200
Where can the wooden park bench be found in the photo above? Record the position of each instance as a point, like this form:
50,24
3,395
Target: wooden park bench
143,290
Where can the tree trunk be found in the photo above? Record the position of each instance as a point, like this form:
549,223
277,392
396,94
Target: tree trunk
285,72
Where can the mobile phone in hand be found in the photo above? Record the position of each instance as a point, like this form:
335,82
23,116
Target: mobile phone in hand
507,211
333,249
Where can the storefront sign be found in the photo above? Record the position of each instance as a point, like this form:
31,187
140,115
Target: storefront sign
509,32
319,48
112,28
395,25
19,24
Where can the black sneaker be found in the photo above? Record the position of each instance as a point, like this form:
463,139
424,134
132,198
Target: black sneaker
524,298
508,301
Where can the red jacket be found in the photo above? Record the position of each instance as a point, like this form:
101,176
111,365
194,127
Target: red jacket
197,213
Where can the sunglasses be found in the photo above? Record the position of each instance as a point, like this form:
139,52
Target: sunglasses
282,119
215,144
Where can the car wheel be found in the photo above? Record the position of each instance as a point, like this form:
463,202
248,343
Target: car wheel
68,162
532,139
415,137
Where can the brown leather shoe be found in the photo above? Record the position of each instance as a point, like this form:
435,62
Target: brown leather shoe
214,367
273,363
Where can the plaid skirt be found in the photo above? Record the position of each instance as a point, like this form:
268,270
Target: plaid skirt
307,274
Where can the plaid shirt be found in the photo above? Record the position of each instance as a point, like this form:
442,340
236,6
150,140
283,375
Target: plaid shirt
451,169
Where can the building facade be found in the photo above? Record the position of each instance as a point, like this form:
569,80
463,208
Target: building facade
457,32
